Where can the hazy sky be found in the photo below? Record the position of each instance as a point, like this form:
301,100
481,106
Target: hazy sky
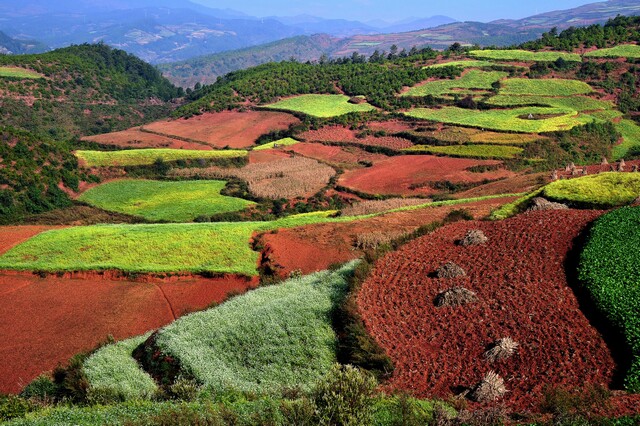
362,10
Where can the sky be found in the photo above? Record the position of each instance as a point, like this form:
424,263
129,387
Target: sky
394,10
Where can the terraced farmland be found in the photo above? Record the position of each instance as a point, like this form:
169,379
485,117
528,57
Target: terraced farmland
620,51
145,157
544,87
524,55
164,201
15,72
320,105
463,64
276,144
474,79
470,151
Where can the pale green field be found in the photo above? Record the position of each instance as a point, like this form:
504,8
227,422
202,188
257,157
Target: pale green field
620,51
164,201
16,72
630,132
578,103
463,64
470,151
281,142
544,87
523,55
320,105
146,157
474,79
504,120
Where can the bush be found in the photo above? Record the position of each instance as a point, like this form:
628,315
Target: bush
344,397
12,407
42,388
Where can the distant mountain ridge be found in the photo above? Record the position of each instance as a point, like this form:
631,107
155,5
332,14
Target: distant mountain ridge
11,46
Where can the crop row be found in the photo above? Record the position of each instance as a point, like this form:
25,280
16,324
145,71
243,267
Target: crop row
143,157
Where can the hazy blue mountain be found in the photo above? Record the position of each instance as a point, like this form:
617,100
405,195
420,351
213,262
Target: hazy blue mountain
12,46
418,24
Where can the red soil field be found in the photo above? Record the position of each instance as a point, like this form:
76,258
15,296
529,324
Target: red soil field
346,135
514,185
11,236
391,126
134,138
412,174
45,321
524,293
267,156
314,247
347,155
229,128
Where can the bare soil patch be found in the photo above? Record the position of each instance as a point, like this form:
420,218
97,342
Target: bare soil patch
134,138
346,156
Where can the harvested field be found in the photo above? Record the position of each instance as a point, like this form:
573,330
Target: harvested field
414,174
520,279
342,156
286,178
346,135
315,247
221,129
378,206
44,322
516,184
392,126
267,156
134,138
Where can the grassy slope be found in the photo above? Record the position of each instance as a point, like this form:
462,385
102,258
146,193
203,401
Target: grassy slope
630,132
164,201
620,51
544,87
272,338
523,55
142,157
320,105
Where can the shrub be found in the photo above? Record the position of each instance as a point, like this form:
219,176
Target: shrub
12,407
41,388
344,397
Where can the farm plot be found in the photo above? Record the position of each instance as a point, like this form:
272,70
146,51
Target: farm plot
470,151
514,120
343,134
609,270
277,144
164,201
288,341
473,80
230,129
320,105
338,156
44,322
287,178
544,87
134,138
620,51
417,174
630,132
466,135
16,72
577,103
145,157
463,64
522,292
524,55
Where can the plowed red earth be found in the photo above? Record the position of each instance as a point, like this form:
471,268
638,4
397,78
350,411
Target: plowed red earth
335,154
344,134
45,321
392,126
228,128
134,138
313,248
520,279
412,174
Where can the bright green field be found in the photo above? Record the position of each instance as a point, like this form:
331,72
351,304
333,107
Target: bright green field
523,55
145,157
164,201
320,105
19,73
463,64
602,190
630,132
621,51
163,248
471,151
577,103
474,79
609,270
271,338
504,120
281,142
544,87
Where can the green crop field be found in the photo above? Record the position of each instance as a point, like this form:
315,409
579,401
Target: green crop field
523,55
278,143
609,270
145,157
15,72
514,120
264,341
112,370
470,151
544,87
577,103
463,64
320,105
164,201
473,79
603,190
620,51
630,132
